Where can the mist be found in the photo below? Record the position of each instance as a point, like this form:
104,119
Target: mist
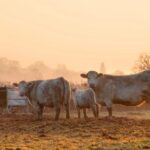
12,71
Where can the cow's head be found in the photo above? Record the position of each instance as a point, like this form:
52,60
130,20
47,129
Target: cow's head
24,87
92,77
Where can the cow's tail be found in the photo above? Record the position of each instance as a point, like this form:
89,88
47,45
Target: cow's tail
66,96
97,109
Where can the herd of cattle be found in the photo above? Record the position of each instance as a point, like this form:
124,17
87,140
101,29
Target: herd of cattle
106,90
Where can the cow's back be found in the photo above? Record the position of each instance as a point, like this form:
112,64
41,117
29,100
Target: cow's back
50,92
126,90
84,97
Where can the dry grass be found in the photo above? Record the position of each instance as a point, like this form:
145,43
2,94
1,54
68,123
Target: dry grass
131,131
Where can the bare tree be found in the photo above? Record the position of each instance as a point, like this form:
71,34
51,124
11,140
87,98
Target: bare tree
143,63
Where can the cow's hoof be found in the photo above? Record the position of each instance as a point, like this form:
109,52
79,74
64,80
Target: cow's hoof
56,119
68,118
96,118
110,118
87,119
37,119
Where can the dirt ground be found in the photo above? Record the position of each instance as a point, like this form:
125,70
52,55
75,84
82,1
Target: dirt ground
126,131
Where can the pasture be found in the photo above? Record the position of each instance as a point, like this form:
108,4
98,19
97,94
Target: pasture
128,130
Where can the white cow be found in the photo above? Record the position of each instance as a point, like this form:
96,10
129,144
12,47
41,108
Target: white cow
83,99
129,90
47,93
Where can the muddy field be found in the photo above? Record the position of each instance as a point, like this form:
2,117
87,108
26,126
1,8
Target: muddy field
128,130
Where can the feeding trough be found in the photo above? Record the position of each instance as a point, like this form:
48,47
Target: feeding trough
9,98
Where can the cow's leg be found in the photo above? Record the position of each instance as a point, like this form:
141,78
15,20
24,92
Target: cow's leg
97,108
84,112
8,109
27,109
57,109
109,107
94,110
67,107
40,112
79,115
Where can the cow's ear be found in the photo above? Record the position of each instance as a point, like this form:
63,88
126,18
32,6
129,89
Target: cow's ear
15,84
99,75
73,89
83,75
30,84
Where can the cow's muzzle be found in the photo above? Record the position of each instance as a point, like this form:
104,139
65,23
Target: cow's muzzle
92,86
21,94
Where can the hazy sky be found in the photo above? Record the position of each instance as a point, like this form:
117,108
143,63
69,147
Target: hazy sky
78,33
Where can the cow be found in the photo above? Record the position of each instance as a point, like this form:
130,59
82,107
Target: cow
50,93
129,90
83,99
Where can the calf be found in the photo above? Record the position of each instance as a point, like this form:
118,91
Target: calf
83,99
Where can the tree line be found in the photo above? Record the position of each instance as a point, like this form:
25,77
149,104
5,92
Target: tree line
11,70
